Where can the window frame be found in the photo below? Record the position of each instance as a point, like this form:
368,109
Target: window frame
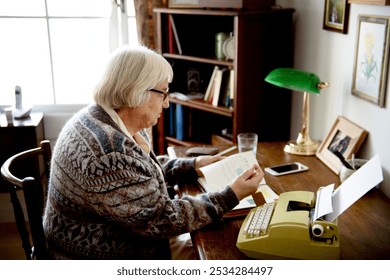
123,14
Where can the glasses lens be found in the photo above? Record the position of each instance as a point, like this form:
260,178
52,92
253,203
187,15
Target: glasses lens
164,93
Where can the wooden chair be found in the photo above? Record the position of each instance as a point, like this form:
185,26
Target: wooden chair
29,171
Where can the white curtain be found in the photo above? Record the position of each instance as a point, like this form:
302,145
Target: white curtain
119,30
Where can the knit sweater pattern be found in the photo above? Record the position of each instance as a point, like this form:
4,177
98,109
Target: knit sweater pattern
107,198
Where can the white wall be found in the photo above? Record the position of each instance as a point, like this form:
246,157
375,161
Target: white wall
331,56
54,118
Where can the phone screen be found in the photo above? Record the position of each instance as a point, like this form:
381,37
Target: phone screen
285,168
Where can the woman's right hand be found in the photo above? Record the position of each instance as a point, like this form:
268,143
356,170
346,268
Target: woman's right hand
248,182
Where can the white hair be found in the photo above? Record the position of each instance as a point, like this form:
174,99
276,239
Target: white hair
130,73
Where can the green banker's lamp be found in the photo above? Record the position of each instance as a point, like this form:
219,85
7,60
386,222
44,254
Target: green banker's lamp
299,80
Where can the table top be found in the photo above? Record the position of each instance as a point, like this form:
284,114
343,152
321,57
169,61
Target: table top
31,121
364,227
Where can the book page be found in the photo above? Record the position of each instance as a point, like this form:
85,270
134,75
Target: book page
220,174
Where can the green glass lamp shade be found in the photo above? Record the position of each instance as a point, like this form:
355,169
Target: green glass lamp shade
294,79
299,80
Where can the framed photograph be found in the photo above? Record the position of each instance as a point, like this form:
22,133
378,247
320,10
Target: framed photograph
345,137
336,15
371,59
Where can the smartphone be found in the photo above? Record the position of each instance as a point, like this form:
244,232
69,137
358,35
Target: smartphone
287,168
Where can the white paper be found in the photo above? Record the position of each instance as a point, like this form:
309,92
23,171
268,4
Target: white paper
268,194
247,202
220,174
171,152
324,201
358,184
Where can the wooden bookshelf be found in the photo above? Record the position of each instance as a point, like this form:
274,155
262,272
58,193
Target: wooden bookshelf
263,42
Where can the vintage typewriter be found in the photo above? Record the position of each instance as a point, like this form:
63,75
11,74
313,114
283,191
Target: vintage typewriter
287,229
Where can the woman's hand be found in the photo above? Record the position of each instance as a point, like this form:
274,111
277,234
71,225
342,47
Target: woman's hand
201,161
248,182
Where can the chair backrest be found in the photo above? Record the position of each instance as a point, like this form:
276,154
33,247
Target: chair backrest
32,169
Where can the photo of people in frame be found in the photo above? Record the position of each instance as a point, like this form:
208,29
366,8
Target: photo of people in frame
336,11
340,142
336,15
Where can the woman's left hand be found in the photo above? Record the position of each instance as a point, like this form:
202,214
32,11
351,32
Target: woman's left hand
201,161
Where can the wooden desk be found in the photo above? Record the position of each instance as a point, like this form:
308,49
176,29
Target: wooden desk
364,227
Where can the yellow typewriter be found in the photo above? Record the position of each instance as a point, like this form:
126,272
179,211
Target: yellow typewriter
287,229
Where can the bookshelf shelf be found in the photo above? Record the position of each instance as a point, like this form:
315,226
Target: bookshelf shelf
212,60
263,42
204,106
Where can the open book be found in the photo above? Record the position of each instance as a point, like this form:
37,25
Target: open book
222,173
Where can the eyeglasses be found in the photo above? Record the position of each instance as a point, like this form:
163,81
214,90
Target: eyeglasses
165,93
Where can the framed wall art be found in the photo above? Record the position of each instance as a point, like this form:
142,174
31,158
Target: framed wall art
371,59
336,15
346,137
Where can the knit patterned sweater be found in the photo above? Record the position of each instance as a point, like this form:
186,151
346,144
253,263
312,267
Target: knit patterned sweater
107,198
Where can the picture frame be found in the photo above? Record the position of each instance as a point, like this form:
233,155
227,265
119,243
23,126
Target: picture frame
336,16
371,59
345,137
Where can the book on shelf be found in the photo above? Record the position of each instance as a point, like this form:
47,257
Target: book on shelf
218,92
218,86
179,122
211,94
231,89
172,121
173,30
228,89
210,85
222,173
224,95
171,47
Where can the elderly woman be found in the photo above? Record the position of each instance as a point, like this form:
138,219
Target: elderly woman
108,195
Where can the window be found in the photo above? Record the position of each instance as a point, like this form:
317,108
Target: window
55,50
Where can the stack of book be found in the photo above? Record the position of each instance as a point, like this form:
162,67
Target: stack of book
220,91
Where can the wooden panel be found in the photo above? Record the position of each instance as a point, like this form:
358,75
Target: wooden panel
370,2
237,4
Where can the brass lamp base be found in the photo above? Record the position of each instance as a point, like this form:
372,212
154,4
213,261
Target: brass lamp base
303,149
